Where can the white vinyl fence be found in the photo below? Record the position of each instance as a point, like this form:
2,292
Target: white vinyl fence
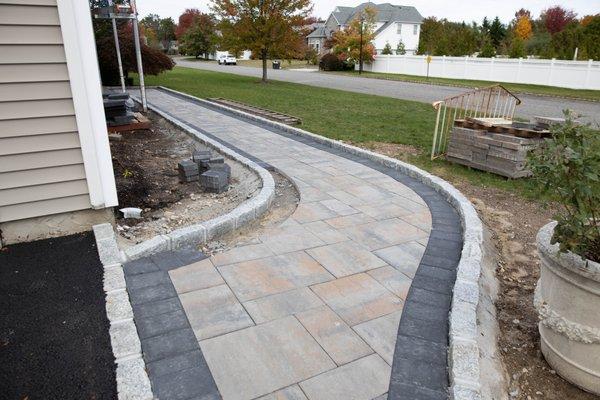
567,74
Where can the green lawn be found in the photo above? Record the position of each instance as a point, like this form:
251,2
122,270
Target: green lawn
285,64
514,87
352,117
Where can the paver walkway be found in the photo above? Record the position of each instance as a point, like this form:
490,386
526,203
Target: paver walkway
311,309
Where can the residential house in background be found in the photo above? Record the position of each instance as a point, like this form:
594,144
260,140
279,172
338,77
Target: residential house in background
56,175
394,23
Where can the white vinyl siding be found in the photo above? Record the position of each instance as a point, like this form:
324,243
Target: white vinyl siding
41,163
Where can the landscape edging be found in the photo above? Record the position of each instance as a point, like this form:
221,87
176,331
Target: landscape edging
246,212
131,376
463,353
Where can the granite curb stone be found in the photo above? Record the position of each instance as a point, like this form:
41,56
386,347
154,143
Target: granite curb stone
462,386
132,380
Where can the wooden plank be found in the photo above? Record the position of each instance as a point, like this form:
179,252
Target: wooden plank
141,122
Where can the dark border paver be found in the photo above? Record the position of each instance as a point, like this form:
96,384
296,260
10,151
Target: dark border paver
175,364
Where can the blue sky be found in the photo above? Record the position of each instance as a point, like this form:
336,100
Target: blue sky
456,10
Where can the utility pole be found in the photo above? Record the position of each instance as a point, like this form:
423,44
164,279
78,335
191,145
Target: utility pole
138,54
360,48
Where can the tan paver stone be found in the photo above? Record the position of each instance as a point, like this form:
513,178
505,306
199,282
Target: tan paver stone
420,219
325,232
357,298
289,393
258,278
384,210
289,239
404,257
381,333
214,311
338,207
369,193
239,254
346,198
350,220
386,233
423,241
345,258
282,304
363,379
339,341
311,194
310,212
199,275
393,280
264,358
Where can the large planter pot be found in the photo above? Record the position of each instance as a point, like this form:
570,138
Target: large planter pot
567,298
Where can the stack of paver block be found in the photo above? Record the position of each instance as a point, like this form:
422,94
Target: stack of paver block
118,108
212,172
502,154
188,171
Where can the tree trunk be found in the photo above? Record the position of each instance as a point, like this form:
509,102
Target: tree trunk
263,55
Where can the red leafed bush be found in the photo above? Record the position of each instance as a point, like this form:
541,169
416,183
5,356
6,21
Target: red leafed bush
154,61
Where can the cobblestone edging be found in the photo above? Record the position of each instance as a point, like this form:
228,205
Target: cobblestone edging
201,233
463,352
132,380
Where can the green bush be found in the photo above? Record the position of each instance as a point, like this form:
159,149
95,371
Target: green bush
387,49
567,167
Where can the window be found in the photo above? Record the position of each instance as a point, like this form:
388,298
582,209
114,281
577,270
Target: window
398,28
317,47
415,29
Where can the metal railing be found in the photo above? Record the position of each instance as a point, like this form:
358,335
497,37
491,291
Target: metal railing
490,102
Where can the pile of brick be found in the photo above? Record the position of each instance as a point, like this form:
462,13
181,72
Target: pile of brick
213,173
118,108
500,153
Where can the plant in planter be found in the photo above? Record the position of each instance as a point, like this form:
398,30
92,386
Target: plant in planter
567,296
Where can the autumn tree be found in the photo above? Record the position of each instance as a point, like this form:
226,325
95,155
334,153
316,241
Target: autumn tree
186,20
557,18
158,30
265,27
201,37
523,28
348,43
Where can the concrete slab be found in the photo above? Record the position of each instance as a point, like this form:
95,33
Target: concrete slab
345,258
380,333
282,304
199,275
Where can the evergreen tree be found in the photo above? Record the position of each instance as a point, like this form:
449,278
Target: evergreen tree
400,49
497,32
387,49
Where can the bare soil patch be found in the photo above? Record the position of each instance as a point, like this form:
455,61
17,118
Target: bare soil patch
145,165
513,222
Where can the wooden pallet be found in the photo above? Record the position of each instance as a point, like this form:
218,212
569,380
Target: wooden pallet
261,112
510,128
139,122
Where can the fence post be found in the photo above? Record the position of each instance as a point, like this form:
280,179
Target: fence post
550,75
444,66
387,63
588,73
518,78
466,66
491,76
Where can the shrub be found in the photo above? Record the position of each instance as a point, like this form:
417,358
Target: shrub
567,167
400,49
331,62
154,61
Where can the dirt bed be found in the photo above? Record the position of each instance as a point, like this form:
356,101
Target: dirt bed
513,222
145,164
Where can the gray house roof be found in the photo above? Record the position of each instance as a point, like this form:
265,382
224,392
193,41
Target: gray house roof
386,13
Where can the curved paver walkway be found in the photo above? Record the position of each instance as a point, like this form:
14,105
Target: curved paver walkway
312,308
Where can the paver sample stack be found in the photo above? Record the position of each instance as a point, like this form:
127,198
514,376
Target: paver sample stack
480,147
212,172
118,108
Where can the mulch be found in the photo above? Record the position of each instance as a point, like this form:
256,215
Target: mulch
54,340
